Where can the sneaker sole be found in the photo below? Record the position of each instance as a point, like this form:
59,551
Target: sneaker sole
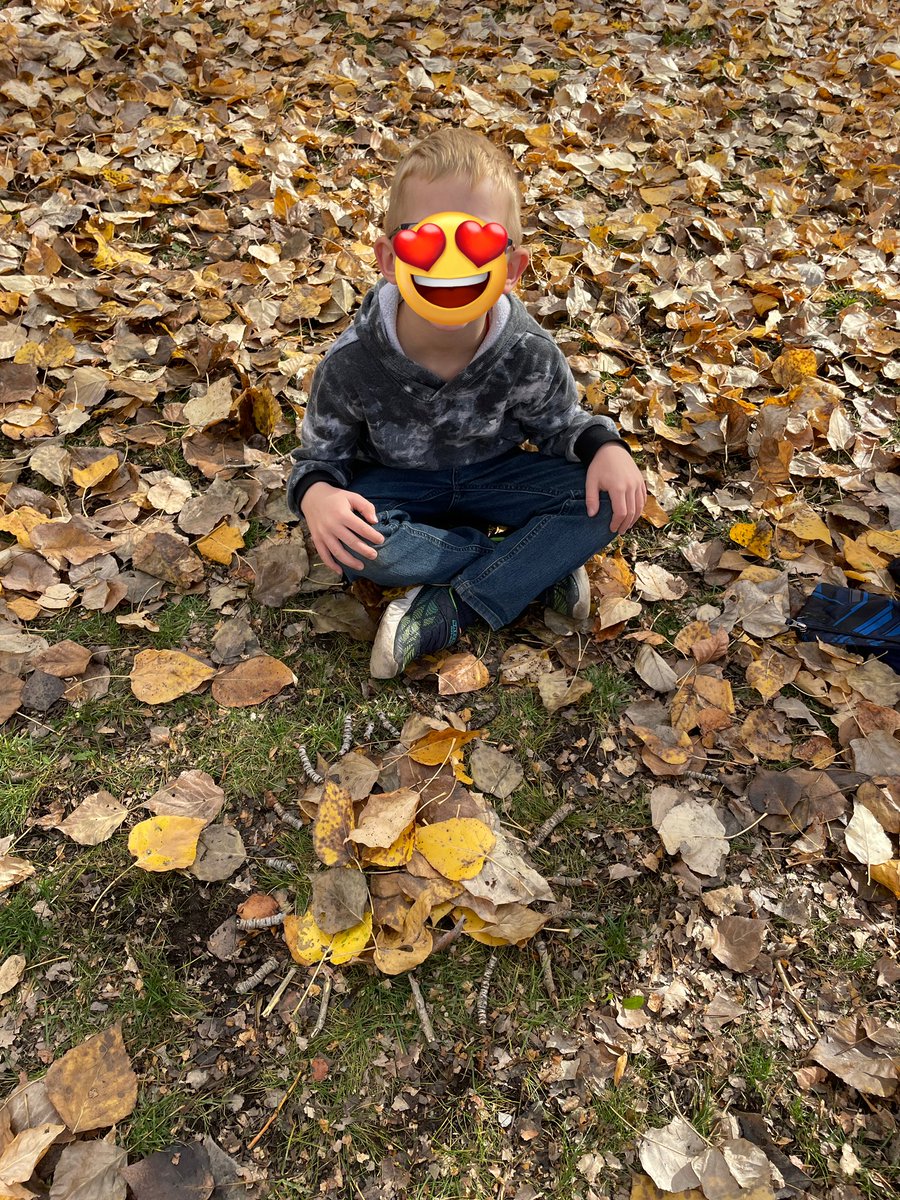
582,606
383,664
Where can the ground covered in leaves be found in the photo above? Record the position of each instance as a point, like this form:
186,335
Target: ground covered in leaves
188,198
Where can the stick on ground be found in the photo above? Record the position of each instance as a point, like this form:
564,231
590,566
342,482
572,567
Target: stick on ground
550,824
481,1007
419,1001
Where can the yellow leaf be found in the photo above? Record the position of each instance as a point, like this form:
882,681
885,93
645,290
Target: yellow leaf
887,874
806,525
237,180
266,412
396,855
474,925
165,843
437,745
350,942
86,477
457,848
888,541
793,365
221,544
860,556
397,953
108,257
162,675
770,673
305,940
20,523
756,539
539,135
331,828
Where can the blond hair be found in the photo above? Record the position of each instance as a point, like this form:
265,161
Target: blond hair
465,155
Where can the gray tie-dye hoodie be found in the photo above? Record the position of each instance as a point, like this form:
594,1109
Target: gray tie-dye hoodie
371,403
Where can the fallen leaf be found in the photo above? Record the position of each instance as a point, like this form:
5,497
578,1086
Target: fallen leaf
385,817
13,870
93,1086
738,941
193,794
558,691
524,664
159,676
495,772
865,838
654,670
89,1171
886,873
332,825
462,673
340,897
457,848
656,583
181,1172
251,682
94,820
220,851
11,972
348,944
437,746
305,940
693,830
165,843
667,1155
19,1159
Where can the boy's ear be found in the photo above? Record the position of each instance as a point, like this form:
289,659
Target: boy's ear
517,261
384,254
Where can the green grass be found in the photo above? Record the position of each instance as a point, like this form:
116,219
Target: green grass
839,298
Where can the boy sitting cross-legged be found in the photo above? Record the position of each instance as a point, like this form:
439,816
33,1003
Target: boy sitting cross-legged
410,444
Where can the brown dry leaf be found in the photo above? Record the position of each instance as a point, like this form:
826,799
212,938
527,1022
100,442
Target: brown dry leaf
693,830
64,660
654,670
340,897
877,754
558,691
495,772
462,673
643,1188
251,682
332,826
513,925
90,1171
887,874
738,941
11,690
193,794
848,1053
524,664
385,817
165,843
220,851
94,820
159,676
763,734
615,610
341,613
667,1155
170,558
865,838
395,953
701,642
13,870
20,1158
11,971
93,1086
882,798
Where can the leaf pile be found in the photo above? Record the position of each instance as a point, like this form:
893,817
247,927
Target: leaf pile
401,860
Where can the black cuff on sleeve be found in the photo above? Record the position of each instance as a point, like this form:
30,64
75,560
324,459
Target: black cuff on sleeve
591,439
298,490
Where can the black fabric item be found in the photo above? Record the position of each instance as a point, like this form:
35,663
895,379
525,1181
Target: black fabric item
864,623
589,442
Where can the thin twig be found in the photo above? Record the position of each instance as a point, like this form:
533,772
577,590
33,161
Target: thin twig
279,992
546,970
550,824
247,985
280,864
481,1006
310,771
572,881
796,999
323,1008
419,1001
448,936
289,819
348,736
261,922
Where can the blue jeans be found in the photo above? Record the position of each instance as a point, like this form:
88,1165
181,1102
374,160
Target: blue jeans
434,525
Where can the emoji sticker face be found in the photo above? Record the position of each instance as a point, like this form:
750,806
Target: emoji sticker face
451,267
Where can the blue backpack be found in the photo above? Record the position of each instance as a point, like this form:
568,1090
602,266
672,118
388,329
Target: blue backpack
863,622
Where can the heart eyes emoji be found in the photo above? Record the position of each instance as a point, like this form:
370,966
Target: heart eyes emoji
420,247
481,243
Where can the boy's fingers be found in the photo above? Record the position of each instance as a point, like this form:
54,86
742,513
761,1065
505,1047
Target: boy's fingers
364,531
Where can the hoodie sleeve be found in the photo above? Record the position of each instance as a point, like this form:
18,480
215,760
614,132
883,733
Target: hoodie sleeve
329,437
554,418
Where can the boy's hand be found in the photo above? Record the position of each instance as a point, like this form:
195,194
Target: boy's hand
331,513
613,470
